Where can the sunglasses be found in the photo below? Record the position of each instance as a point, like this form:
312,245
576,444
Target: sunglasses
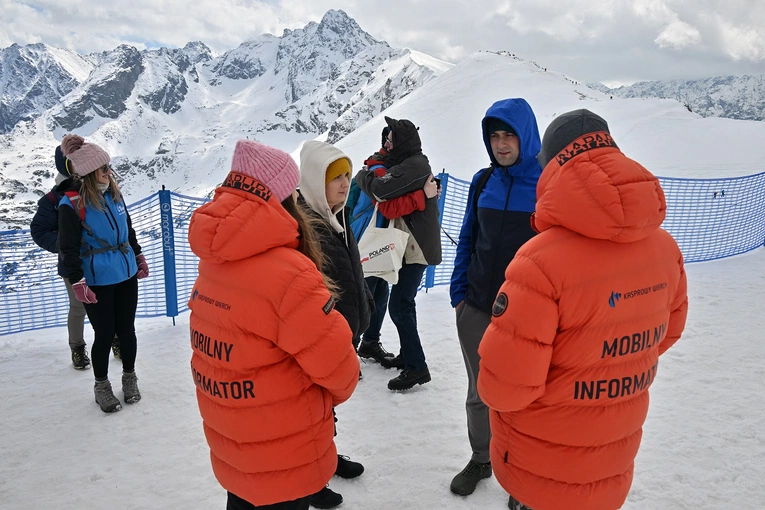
105,169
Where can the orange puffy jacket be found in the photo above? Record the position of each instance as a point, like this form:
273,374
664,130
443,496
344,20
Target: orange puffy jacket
270,356
587,307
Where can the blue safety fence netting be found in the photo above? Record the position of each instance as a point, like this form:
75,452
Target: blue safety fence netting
709,218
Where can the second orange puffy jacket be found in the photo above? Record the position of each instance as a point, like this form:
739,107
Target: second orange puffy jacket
587,307
271,358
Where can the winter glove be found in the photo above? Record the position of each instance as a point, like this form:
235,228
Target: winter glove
143,267
83,293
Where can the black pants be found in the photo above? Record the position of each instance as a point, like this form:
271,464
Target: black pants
113,314
236,503
514,504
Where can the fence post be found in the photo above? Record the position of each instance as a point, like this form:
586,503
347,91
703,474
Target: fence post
168,253
430,272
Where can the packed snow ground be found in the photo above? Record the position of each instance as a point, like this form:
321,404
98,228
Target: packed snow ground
703,444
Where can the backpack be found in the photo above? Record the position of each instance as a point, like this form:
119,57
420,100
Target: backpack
480,184
74,198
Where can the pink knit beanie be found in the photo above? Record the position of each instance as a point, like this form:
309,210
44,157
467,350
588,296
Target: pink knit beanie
87,157
273,167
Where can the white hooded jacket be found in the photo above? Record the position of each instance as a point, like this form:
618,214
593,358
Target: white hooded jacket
315,157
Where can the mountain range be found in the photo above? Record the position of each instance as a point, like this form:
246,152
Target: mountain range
733,97
163,114
170,117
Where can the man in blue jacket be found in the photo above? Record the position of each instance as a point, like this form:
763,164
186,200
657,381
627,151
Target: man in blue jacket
496,224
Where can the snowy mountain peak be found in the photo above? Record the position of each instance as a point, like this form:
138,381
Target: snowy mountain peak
172,115
34,78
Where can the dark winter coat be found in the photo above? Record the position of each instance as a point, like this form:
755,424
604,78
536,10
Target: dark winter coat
408,170
112,225
343,266
493,231
44,226
341,253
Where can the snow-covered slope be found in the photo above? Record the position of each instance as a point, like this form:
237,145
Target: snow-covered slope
659,133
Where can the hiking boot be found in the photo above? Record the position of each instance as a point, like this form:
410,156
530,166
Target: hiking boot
80,360
116,348
105,397
346,468
373,350
395,362
326,498
130,387
464,483
408,378
514,504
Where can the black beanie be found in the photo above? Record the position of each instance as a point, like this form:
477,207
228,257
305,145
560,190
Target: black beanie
61,163
385,132
568,127
493,124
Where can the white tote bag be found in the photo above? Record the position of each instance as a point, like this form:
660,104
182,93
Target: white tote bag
382,250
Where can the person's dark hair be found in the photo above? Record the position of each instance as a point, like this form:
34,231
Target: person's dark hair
308,242
385,132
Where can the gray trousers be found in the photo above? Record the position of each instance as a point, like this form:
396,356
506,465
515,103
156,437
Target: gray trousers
471,325
75,321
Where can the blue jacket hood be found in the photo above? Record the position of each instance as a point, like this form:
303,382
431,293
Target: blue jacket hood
518,114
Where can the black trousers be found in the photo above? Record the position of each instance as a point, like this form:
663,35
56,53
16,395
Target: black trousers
113,314
236,503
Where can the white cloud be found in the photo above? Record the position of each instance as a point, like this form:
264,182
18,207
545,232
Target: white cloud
607,40
678,35
743,43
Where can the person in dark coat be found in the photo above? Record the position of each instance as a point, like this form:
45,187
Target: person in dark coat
362,208
44,230
325,173
408,170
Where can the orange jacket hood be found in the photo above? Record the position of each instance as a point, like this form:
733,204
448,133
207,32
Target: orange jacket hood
238,212
593,189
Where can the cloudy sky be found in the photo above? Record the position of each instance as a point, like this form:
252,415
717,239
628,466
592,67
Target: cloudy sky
613,41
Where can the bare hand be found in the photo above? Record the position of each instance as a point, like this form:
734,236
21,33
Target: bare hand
431,188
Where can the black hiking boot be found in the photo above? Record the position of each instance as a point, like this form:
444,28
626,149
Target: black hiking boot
116,348
347,469
407,379
514,504
464,483
373,350
326,498
395,362
80,359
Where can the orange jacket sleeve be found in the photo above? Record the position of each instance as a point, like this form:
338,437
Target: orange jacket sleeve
318,336
517,347
403,205
678,314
